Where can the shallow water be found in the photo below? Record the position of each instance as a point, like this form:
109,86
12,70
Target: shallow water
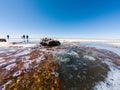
79,73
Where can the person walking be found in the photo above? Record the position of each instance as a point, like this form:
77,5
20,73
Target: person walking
27,37
23,37
7,36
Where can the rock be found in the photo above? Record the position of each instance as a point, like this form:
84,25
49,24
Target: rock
16,42
3,40
49,42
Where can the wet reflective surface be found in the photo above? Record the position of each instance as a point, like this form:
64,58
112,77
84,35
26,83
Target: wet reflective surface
78,72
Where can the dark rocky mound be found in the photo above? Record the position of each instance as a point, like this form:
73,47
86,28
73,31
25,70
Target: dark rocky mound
49,42
3,40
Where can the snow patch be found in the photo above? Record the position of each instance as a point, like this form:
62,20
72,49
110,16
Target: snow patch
40,58
1,60
17,73
43,49
115,44
101,45
22,53
12,60
25,44
18,43
27,63
112,82
73,54
10,66
56,74
2,64
89,57
3,87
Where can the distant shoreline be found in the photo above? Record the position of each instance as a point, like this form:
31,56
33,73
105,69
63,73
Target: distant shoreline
71,39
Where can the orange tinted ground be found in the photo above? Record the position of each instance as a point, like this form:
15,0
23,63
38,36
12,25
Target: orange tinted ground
39,76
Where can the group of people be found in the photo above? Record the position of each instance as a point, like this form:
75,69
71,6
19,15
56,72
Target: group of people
24,37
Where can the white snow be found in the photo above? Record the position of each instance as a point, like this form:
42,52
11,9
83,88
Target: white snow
56,74
5,50
28,62
27,58
44,49
22,53
18,44
2,44
112,82
40,58
25,44
81,40
26,65
73,54
101,45
1,60
4,63
10,66
3,87
17,73
89,57
12,60
115,44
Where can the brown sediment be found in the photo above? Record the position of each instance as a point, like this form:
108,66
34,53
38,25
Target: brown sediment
39,76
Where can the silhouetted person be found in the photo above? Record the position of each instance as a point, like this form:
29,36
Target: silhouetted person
27,37
23,37
7,36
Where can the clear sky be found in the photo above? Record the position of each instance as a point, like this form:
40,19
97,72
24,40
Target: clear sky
60,18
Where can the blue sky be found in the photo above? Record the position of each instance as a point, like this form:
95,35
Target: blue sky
60,18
